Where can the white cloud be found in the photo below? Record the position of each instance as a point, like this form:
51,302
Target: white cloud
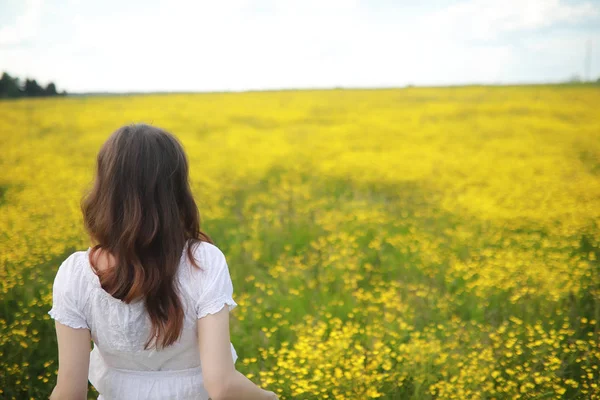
488,19
25,27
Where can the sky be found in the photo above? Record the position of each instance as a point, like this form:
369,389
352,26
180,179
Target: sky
223,45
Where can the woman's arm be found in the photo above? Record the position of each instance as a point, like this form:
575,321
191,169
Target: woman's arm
221,380
73,363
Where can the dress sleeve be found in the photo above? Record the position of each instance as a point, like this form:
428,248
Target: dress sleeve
67,297
217,288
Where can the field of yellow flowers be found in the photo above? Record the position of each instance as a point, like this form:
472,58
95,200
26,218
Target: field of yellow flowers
419,243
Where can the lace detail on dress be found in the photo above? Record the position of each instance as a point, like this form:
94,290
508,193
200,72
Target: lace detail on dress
64,318
125,327
217,305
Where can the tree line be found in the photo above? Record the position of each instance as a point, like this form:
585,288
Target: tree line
12,87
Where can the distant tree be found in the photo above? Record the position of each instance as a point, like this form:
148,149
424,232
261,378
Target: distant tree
50,90
9,86
32,88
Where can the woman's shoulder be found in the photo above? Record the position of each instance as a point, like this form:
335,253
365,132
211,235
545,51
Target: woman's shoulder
71,290
207,254
73,262
209,257
209,286
74,269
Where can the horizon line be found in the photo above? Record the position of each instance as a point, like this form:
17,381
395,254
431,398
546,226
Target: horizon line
332,88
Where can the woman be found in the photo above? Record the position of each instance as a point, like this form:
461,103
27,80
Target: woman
153,293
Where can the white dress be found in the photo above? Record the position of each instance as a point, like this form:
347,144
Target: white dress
120,368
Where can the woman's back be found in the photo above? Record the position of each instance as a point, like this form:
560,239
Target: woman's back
120,367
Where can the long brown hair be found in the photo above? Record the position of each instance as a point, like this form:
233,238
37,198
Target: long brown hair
142,212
